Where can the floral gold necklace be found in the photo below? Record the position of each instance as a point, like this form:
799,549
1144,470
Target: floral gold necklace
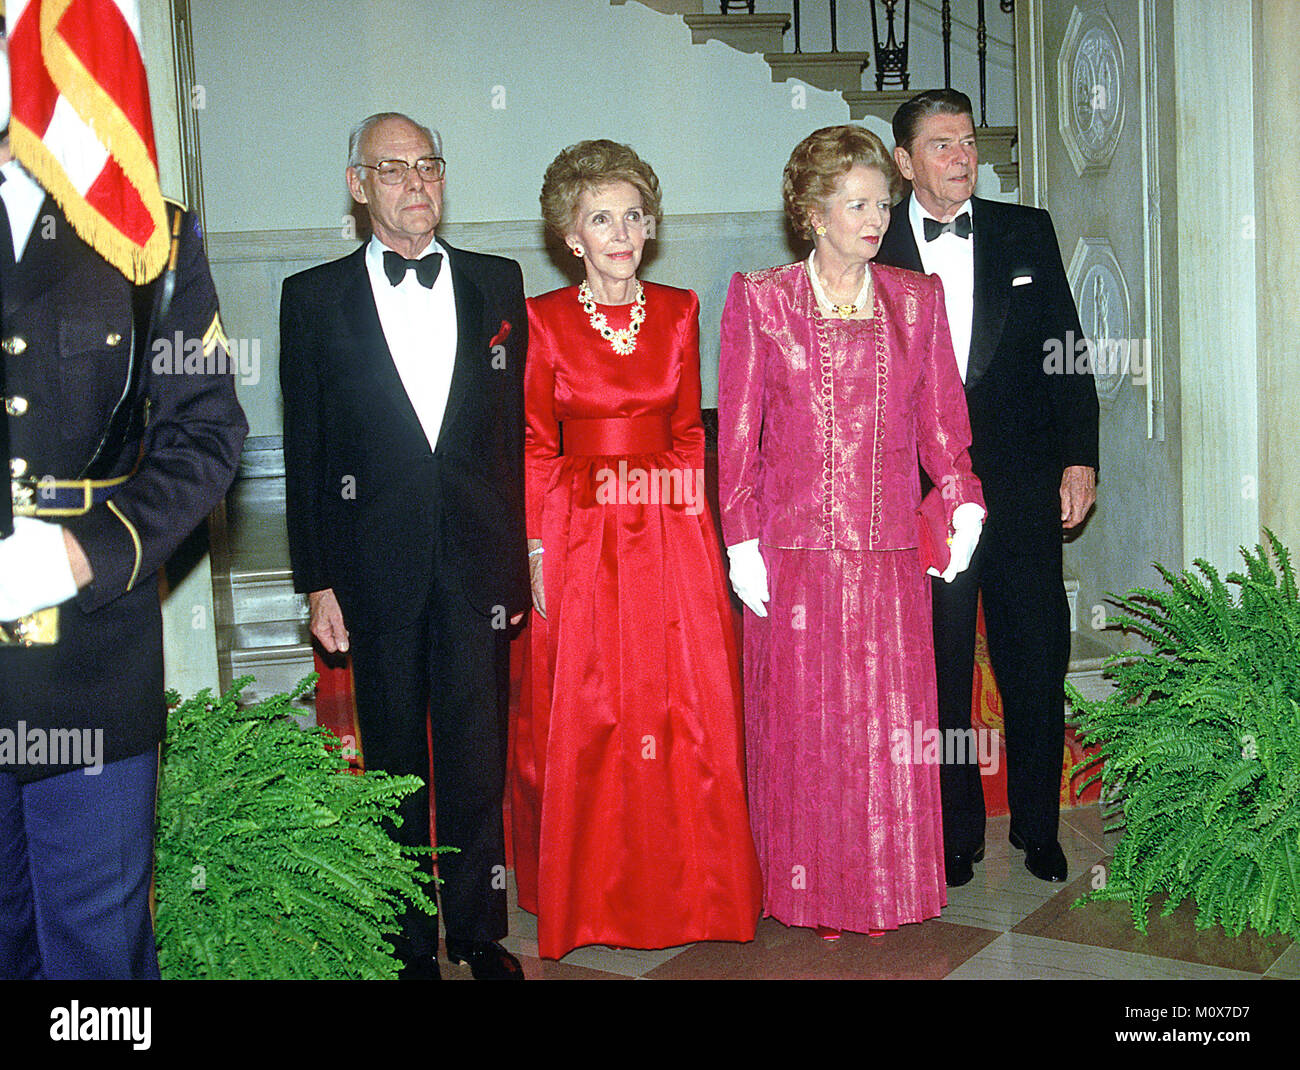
624,341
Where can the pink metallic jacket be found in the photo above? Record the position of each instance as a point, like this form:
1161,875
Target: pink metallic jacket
821,421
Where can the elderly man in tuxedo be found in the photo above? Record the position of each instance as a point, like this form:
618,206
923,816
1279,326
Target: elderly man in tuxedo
1034,449
402,373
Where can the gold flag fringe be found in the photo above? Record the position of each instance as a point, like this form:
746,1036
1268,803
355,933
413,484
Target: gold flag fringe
139,263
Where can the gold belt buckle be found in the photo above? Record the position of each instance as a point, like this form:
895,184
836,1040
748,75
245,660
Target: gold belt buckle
36,629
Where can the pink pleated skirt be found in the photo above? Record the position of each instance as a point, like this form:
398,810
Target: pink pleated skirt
838,682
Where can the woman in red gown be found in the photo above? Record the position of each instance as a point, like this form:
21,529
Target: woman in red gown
627,785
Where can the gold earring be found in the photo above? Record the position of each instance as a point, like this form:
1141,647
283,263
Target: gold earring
578,251
819,230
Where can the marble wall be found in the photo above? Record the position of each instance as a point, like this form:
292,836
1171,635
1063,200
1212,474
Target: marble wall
1275,46
1098,151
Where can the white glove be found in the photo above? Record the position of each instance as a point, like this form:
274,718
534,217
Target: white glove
34,568
749,575
967,524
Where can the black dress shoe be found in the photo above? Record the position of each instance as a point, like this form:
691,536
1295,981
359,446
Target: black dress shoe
959,868
1046,863
420,968
487,960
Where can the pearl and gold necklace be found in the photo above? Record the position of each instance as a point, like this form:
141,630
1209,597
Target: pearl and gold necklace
824,302
624,341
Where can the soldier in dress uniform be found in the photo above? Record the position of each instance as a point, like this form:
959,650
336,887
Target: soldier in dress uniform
115,455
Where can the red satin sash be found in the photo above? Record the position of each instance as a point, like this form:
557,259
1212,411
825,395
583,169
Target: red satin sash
650,432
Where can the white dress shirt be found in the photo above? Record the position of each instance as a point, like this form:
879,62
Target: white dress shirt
420,328
23,197
953,260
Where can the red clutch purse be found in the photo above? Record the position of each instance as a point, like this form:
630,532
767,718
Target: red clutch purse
933,535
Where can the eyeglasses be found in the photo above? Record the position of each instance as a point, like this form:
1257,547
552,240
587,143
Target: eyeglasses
393,172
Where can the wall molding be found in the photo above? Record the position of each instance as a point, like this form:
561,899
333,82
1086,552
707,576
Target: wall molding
502,237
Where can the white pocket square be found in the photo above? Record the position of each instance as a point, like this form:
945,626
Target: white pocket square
1022,280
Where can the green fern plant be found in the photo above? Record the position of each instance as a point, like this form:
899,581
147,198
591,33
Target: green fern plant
272,861
1200,747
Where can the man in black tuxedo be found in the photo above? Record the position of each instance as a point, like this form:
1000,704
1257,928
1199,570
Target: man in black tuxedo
402,372
1034,448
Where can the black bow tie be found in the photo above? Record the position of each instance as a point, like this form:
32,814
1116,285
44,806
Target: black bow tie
426,268
959,226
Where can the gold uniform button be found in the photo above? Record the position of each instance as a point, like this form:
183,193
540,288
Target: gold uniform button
113,338
15,345
17,467
15,406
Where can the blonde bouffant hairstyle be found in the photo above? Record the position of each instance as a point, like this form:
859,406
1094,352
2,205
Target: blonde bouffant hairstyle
589,165
822,159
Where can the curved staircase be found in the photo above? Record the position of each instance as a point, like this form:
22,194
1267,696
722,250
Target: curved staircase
765,33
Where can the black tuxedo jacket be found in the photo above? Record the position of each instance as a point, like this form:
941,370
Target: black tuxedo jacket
1029,420
372,511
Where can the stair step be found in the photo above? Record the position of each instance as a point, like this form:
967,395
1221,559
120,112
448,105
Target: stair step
270,638
265,598
880,104
670,7
262,455
995,143
997,147
1072,596
1008,176
277,655
276,669
1089,652
744,33
279,574
258,538
832,71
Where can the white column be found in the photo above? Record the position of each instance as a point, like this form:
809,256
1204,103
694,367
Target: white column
1277,262
1215,117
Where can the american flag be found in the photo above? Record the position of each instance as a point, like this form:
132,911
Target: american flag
81,124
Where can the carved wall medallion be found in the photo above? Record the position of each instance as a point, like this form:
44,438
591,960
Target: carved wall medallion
1090,76
1101,294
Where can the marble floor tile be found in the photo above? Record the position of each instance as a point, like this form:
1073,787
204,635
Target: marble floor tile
1287,966
622,962
535,969
626,962
1110,925
1003,892
1089,822
1004,924
930,950
1018,956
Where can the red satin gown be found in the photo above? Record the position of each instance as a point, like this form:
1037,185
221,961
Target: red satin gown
627,782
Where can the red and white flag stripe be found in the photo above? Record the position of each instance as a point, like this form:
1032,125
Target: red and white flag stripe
81,124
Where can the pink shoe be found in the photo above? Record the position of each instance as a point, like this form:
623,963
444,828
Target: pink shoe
827,933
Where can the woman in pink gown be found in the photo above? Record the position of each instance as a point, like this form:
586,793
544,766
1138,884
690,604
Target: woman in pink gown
627,786
835,373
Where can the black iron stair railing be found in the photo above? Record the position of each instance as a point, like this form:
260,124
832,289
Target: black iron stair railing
889,48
